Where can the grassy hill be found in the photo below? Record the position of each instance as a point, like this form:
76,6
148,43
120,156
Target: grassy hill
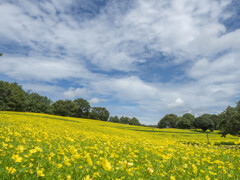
52,147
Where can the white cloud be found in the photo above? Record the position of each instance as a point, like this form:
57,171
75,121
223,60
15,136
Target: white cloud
42,68
177,103
69,46
96,100
76,92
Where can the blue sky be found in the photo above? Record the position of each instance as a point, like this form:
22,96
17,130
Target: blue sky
136,58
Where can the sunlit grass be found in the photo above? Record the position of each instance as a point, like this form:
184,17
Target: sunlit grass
52,147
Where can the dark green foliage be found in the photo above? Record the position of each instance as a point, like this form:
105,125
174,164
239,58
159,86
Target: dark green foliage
65,108
38,104
114,119
125,120
12,97
83,109
204,122
216,120
186,121
134,121
1,54
168,121
99,113
230,123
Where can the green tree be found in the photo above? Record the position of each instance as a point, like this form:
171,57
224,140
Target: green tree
65,108
83,108
134,121
230,123
114,119
168,121
12,97
124,120
1,54
204,122
186,121
99,113
216,120
37,103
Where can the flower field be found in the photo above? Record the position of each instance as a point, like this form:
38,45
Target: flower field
39,146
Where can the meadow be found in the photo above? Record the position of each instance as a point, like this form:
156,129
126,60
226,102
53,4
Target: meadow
39,146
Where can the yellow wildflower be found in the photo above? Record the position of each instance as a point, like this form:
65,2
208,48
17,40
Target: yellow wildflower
106,165
10,170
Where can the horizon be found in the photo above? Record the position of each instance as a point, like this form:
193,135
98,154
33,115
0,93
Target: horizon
142,59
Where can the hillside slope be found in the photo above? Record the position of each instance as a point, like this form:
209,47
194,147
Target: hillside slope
37,145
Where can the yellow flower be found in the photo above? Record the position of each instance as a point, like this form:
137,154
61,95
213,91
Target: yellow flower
40,172
207,177
87,178
106,165
16,158
20,148
150,170
69,177
30,165
89,161
172,178
10,170
59,166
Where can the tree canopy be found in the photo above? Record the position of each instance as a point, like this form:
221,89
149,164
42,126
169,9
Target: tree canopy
99,113
168,121
186,121
37,103
12,97
83,109
114,119
64,108
230,123
204,122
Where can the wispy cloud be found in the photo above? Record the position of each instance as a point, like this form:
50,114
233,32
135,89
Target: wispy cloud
105,48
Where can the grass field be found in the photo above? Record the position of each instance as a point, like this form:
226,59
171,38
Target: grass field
38,146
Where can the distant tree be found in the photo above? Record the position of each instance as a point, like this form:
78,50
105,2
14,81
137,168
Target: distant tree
125,120
168,121
204,122
230,123
186,121
64,108
134,121
12,97
114,119
99,113
1,54
37,103
216,120
83,109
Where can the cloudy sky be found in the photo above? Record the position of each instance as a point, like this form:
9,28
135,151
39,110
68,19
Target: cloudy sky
142,58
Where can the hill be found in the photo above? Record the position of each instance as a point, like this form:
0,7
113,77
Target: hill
34,145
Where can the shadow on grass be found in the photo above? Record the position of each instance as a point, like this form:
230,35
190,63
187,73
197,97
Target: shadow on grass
156,130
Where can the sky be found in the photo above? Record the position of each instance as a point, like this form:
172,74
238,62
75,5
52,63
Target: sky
141,58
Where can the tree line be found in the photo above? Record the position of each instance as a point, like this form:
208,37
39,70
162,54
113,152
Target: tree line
14,98
228,121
